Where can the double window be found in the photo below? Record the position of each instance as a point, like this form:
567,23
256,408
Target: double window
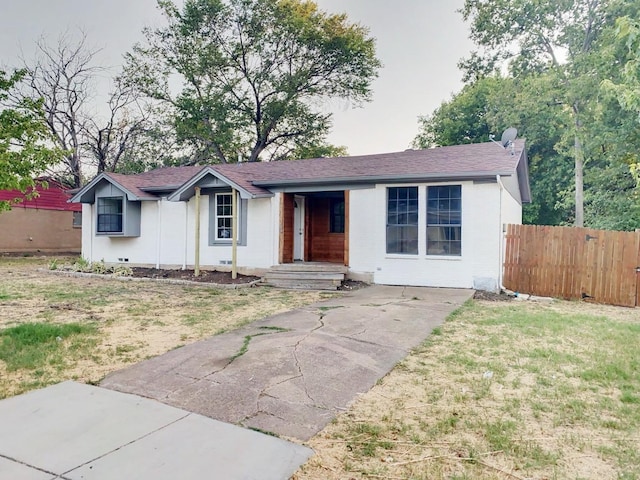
443,220
110,215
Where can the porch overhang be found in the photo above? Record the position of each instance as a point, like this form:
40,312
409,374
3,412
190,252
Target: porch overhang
209,178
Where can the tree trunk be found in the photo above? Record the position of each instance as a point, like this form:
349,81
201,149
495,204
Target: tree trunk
578,155
579,165
75,169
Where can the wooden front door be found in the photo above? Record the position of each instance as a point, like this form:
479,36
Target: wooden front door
327,224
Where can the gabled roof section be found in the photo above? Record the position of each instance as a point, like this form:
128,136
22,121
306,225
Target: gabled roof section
523,177
210,177
142,186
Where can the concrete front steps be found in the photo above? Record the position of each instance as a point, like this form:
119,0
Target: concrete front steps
306,275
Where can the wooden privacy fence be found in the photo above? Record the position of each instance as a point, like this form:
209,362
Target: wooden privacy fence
569,262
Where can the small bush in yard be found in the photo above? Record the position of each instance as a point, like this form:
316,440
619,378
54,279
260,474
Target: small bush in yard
85,266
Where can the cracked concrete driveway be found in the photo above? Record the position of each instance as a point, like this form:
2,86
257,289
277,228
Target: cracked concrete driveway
290,374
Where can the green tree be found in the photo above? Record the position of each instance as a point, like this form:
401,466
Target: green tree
559,40
626,91
489,104
539,69
466,118
247,77
24,139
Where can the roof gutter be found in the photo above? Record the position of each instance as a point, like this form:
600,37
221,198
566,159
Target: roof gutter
165,188
381,179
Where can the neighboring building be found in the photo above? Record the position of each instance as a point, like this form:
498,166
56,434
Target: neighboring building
419,217
46,223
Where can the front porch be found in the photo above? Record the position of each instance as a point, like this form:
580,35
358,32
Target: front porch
314,241
314,227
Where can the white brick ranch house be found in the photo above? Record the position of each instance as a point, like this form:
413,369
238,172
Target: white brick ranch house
420,217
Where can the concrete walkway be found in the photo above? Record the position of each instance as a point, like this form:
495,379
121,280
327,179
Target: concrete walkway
290,374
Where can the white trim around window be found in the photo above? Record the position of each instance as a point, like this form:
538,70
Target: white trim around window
221,219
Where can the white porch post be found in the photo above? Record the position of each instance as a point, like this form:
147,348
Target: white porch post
234,237
197,252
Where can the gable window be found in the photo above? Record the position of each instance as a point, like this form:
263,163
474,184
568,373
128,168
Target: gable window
336,219
110,215
444,220
224,216
402,220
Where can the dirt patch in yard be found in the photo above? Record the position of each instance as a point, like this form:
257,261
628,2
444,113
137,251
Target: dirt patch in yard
206,276
503,390
493,297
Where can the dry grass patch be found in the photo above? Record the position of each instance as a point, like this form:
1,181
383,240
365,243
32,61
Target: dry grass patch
500,391
120,322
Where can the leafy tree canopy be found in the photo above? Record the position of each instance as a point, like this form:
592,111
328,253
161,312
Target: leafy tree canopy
248,77
24,140
539,67
626,90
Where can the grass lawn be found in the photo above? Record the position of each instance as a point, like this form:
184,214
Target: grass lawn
504,390
55,328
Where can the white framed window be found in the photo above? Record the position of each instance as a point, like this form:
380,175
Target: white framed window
223,216
116,215
221,219
444,220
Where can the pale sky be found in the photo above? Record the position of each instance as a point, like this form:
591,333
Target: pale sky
419,42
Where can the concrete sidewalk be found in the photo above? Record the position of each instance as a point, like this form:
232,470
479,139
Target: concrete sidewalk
78,432
300,368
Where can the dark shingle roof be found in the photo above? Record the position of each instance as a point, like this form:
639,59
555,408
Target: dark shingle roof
168,178
472,160
456,162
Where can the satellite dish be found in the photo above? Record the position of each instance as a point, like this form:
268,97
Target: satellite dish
509,136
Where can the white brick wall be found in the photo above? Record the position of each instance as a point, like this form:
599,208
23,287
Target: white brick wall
478,266
167,237
168,229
